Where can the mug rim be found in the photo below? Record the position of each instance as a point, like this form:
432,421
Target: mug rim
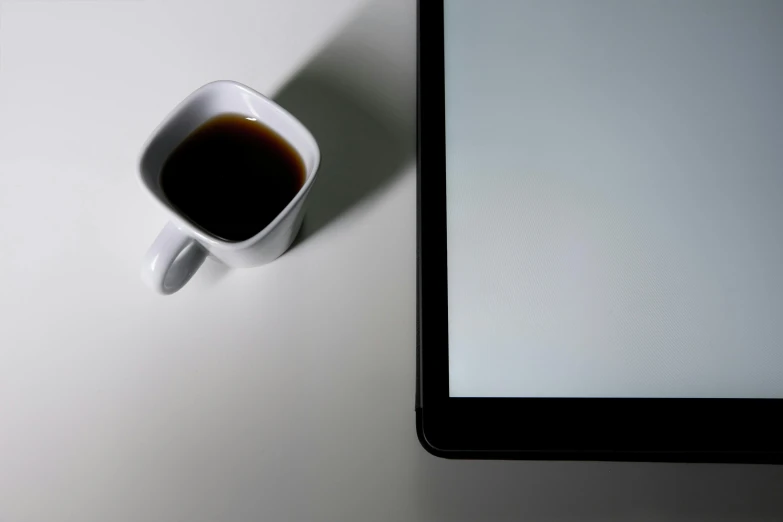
182,222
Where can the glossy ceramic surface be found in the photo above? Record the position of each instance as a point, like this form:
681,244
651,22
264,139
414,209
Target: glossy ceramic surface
181,247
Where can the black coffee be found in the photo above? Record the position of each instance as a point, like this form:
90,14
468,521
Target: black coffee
232,176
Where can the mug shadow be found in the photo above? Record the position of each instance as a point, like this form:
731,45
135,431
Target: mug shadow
357,97
360,150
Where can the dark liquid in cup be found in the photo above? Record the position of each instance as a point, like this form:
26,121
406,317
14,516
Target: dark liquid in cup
232,176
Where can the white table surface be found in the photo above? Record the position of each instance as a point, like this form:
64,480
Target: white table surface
278,393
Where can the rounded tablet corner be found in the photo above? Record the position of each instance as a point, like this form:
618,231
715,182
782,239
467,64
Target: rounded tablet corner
425,443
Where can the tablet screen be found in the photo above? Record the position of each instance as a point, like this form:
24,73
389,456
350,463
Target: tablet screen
614,198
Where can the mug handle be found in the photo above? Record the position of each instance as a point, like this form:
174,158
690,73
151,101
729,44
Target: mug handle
171,260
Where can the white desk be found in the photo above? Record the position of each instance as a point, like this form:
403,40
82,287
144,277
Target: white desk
278,393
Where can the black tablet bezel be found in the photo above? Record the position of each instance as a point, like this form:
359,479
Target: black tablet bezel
675,430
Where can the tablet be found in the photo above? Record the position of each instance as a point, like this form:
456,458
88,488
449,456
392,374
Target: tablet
600,241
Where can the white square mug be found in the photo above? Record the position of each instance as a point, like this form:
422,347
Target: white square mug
181,247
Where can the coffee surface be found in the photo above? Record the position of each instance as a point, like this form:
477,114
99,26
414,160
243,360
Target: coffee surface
232,176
